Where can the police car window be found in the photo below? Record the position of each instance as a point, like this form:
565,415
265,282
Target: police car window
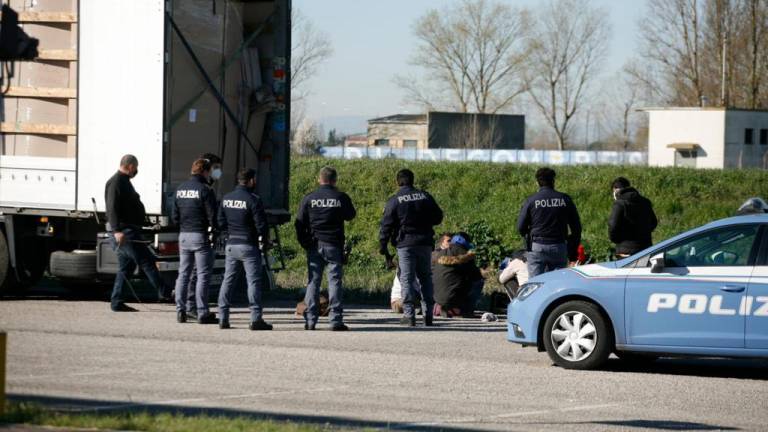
727,247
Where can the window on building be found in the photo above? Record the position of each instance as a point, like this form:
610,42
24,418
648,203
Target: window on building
749,136
763,136
410,143
381,142
686,158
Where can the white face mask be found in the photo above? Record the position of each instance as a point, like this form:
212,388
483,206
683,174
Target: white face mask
615,194
216,173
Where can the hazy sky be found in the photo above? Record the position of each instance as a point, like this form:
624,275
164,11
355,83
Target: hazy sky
372,41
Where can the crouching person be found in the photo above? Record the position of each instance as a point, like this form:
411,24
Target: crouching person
458,281
242,216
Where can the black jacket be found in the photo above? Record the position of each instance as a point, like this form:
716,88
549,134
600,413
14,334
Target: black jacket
242,215
453,272
321,216
546,217
632,221
408,219
194,209
124,206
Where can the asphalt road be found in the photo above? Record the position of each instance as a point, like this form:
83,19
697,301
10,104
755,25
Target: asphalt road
459,375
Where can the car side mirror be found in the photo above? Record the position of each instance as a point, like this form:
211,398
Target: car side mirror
657,263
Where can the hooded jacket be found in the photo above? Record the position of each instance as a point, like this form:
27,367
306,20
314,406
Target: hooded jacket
632,221
453,272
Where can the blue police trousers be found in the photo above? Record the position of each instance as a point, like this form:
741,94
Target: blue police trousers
416,263
195,255
239,256
544,258
318,258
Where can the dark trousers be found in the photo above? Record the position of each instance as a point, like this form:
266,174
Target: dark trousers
318,258
130,254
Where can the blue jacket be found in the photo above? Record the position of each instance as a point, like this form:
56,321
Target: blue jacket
242,215
546,217
194,209
408,220
321,216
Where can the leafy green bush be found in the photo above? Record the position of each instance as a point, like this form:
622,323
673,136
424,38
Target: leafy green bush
484,199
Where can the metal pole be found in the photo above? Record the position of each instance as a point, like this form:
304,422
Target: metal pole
3,341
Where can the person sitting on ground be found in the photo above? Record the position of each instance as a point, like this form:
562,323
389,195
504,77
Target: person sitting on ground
458,281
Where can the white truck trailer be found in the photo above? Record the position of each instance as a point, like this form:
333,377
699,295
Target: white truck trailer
165,80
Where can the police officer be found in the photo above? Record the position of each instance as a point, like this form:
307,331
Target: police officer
632,219
320,230
545,220
408,221
242,215
125,217
216,173
194,211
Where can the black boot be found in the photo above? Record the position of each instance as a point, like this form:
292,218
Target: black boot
260,325
181,317
224,324
428,322
408,321
207,318
339,327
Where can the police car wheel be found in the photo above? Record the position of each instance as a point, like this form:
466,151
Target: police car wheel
576,336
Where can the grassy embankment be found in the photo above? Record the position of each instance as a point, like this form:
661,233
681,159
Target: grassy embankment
485,199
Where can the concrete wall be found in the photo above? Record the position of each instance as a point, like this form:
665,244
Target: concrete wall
706,128
398,133
738,154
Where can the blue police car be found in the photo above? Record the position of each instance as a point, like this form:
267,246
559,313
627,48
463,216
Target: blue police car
701,293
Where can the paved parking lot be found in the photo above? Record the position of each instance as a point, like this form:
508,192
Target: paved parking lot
459,375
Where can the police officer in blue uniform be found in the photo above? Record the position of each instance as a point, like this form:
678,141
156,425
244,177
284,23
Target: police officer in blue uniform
216,174
545,220
408,221
320,230
242,216
194,211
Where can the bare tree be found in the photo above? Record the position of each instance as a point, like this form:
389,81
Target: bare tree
310,47
472,54
567,46
620,98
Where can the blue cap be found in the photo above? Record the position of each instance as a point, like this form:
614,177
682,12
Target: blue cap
461,241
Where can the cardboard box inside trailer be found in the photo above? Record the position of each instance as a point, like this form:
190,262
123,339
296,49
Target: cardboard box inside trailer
132,97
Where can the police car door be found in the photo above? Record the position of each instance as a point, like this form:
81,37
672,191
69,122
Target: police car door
756,303
694,300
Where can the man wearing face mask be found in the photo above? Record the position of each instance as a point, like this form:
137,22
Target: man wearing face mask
216,174
632,219
242,215
194,211
125,217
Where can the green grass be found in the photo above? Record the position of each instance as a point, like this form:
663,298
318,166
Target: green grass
22,413
489,196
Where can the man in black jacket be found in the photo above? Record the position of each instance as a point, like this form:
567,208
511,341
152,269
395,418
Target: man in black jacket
407,223
194,211
545,220
243,217
632,219
125,217
320,230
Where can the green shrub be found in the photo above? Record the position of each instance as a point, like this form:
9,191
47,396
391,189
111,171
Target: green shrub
484,200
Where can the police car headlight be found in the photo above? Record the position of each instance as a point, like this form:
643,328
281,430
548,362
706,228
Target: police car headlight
528,289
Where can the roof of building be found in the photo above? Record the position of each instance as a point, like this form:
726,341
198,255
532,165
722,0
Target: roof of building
401,118
712,108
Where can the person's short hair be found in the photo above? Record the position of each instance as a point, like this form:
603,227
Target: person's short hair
128,159
405,177
328,175
620,183
211,157
199,166
545,176
245,175
446,234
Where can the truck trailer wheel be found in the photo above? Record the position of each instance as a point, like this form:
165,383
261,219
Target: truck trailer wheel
5,266
77,265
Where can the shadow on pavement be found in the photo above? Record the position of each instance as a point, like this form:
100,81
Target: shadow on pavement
642,424
91,406
754,369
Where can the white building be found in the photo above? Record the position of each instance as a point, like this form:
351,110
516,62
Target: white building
707,137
